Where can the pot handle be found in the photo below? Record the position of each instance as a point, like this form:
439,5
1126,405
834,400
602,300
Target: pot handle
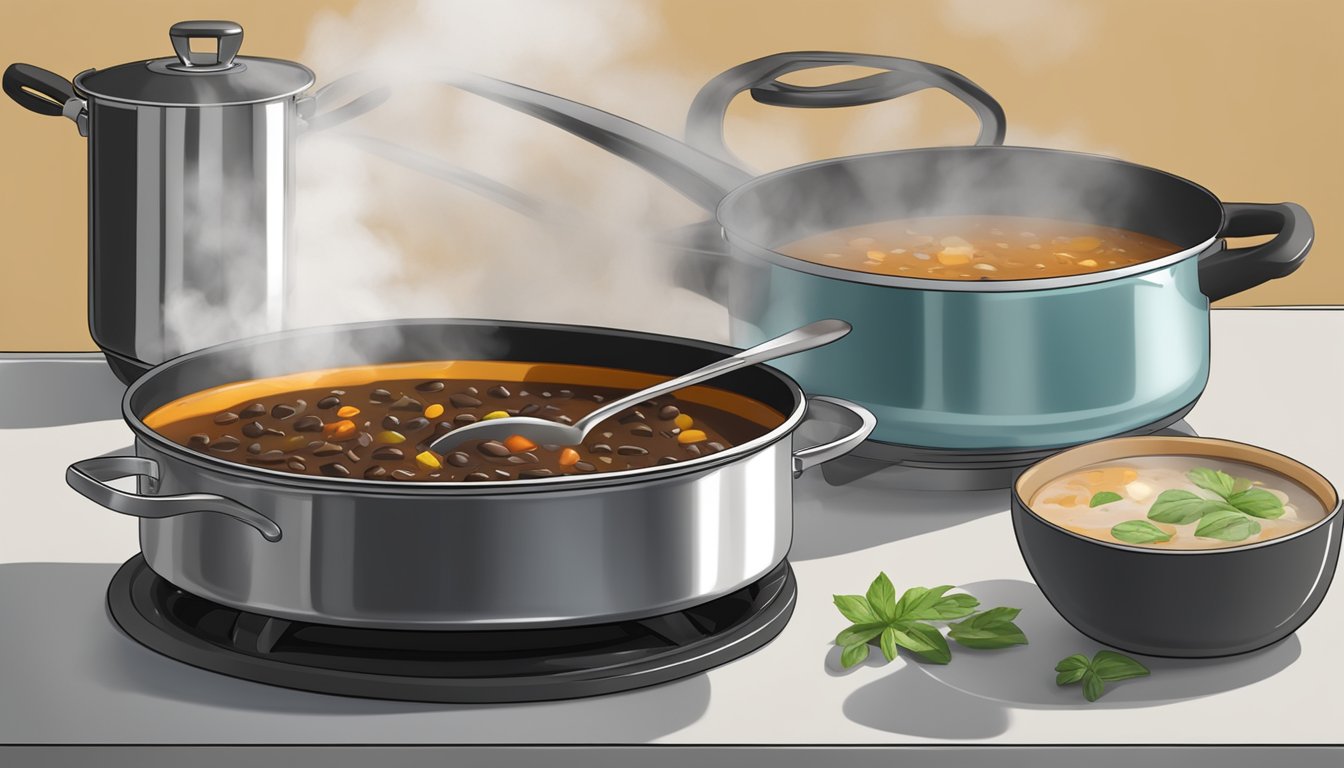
704,122
807,458
373,95
88,478
46,93
1227,271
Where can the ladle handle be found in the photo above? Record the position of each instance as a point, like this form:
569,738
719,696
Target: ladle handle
807,337
704,122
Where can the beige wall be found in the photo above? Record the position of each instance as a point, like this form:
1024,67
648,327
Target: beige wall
1244,96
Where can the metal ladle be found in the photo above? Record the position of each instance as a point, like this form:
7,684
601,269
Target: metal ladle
543,432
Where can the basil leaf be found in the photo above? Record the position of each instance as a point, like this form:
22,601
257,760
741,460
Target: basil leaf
855,608
910,597
1139,532
930,604
992,629
1181,507
1105,497
853,654
1257,502
1111,666
882,597
1227,525
859,633
889,643
1093,686
949,607
1072,669
1241,484
1220,483
937,651
902,635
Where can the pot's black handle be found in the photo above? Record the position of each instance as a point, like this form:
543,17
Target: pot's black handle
38,90
704,122
1227,271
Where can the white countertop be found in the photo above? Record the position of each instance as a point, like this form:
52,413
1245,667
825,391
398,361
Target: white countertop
68,675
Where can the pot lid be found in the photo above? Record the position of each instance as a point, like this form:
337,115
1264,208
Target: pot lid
213,78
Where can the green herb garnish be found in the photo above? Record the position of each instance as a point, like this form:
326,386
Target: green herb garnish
1105,497
878,617
1228,525
1257,502
1139,532
1105,667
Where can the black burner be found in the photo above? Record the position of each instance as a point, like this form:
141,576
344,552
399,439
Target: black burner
465,667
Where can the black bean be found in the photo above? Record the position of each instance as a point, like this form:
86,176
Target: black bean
494,448
583,466
502,474
530,474
335,469
530,408
328,403
327,449
415,424
391,422
314,445
255,409
269,457
375,473
669,412
273,432
545,394
692,449
564,419
473,391
631,450
402,474
363,439
225,444
641,430
498,391
516,460
668,460
380,396
297,465
253,429
511,411
564,393
338,391
254,449
464,418
227,417
522,393
551,409
284,411
600,448
430,386
463,401
631,417
459,459
309,424
529,457
198,440
714,446
477,476
388,453
405,403
352,456
598,399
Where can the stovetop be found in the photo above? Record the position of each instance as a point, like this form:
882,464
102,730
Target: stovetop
69,675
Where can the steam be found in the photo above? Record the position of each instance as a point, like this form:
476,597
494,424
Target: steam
1037,33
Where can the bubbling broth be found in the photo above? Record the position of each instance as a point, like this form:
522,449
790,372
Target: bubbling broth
979,248
1177,502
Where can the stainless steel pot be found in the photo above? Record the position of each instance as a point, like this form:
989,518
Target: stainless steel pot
957,367
191,178
524,553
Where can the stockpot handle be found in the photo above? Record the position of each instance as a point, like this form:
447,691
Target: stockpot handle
1227,271
46,93
807,458
228,37
89,478
704,122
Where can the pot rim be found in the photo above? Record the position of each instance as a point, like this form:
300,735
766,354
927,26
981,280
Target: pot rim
563,483
776,258
1247,451
82,88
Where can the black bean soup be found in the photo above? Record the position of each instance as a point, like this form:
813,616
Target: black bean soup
381,429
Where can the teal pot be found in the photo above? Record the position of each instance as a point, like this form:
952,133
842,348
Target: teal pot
952,365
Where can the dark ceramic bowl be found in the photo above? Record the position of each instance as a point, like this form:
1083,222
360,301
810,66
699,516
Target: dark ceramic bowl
1182,603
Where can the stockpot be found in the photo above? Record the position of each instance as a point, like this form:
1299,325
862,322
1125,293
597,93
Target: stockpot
191,180
568,550
956,367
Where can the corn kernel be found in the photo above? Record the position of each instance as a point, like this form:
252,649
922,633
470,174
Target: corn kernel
433,411
340,429
683,421
518,444
347,411
495,415
1088,263
569,457
955,256
428,460
691,436
390,437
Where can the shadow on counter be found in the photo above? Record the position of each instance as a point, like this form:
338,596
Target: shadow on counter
981,687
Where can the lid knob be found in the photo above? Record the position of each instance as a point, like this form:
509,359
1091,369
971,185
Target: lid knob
228,36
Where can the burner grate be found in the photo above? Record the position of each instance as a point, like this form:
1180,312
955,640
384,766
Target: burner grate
476,666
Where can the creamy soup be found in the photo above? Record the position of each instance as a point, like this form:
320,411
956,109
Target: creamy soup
1177,502
979,248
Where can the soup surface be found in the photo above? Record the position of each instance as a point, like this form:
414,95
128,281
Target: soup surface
979,248
376,422
1177,502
